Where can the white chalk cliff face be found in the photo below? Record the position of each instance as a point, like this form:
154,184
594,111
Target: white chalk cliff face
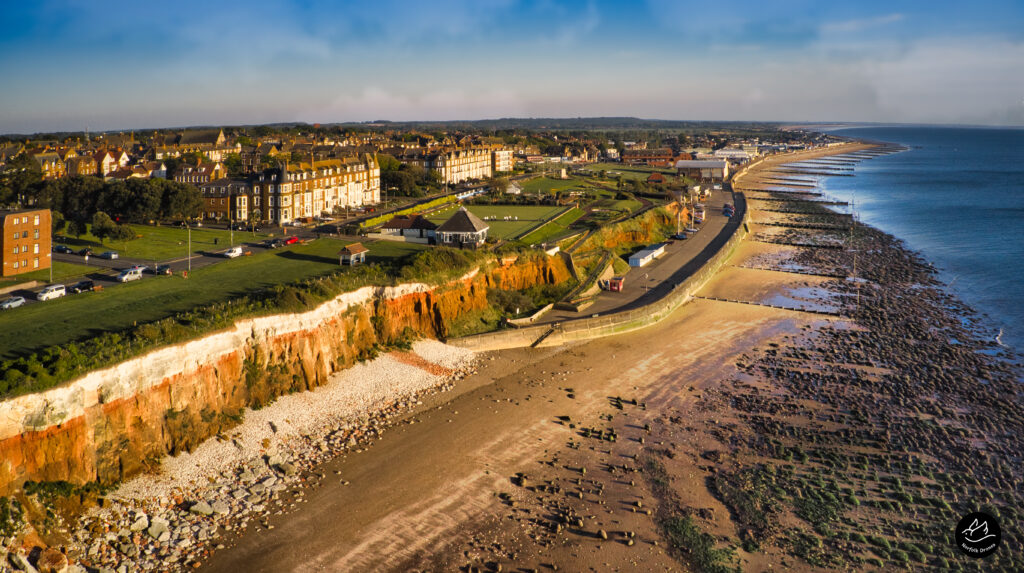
111,423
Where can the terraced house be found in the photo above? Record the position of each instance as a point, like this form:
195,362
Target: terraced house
294,191
454,165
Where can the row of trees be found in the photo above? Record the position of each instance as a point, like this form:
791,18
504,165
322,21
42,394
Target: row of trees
405,179
77,201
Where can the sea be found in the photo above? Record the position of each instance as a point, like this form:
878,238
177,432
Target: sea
956,195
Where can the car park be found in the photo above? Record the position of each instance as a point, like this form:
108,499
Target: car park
82,286
109,255
129,275
13,302
63,249
50,292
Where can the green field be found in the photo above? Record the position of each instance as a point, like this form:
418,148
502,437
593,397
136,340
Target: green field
554,228
61,271
117,307
627,172
547,185
162,243
529,216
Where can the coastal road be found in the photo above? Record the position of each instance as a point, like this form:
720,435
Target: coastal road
646,284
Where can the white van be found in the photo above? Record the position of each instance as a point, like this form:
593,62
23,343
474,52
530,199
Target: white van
129,275
52,291
233,252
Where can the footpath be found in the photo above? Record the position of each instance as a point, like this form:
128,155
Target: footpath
657,303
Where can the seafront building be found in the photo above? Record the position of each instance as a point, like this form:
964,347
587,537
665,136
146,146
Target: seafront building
294,191
459,164
704,169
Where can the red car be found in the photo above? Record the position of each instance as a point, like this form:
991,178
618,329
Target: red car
291,240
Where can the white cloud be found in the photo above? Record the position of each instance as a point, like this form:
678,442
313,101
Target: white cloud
861,24
378,103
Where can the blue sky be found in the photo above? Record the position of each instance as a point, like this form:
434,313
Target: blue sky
71,65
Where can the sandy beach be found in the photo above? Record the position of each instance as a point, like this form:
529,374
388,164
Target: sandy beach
741,432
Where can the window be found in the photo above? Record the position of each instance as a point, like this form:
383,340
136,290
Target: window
24,248
15,250
36,234
24,234
35,248
15,264
24,219
37,220
35,263
15,235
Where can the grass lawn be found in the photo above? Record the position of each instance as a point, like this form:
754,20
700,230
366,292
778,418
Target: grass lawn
627,172
117,307
547,185
61,271
529,216
553,228
162,243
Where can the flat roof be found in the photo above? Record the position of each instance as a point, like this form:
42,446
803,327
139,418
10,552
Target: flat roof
701,163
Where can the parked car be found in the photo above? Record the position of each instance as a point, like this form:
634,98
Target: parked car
161,270
140,268
291,240
273,243
238,226
52,291
85,252
13,302
129,275
110,255
233,252
83,286
63,249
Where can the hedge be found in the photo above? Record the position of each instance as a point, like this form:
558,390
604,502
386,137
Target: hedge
380,219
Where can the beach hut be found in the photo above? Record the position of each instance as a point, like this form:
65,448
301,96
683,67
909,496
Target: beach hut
646,255
353,254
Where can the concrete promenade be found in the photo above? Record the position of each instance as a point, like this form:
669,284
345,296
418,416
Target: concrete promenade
671,282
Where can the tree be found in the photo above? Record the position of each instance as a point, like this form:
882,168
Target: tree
181,200
233,163
102,225
77,227
17,179
58,222
388,163
498,185
402,182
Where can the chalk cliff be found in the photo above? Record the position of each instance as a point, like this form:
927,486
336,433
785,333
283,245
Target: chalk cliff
115,422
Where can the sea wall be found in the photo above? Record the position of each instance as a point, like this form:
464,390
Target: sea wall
118,421
697,273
